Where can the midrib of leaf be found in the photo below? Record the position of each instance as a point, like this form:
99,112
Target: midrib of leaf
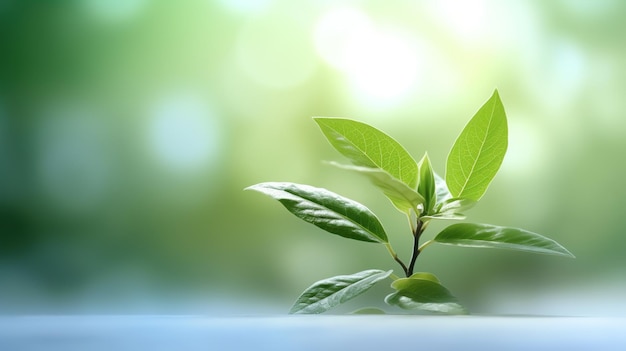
342,215
379,148
482,144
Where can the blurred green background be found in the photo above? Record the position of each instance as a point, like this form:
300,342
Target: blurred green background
128,129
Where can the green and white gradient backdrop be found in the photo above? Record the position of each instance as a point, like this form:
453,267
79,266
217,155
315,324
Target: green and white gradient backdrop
128,130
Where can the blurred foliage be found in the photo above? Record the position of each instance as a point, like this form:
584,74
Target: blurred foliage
128,129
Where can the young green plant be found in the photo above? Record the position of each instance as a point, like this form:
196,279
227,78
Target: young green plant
415,190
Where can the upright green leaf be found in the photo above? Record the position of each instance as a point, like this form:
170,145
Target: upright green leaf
491,236
423,292
402,197
367,146
327,210
328,293
478,152
427,186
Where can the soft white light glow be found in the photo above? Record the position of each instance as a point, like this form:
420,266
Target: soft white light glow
245,6
380,63
524,153
275,52
470,20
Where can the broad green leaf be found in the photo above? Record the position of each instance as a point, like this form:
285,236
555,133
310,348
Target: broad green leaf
327,210
367,146
491,236
415,293
478,152
402,197
426,186
328,293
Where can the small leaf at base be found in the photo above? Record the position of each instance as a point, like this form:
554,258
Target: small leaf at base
415,293
328,293
369,310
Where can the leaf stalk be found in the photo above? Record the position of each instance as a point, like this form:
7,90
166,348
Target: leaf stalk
396,258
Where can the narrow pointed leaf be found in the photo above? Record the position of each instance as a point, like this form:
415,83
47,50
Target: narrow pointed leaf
423,294
457,205
427,186
441,190
491,236
402,197
328,293
453,208
367,146
478,152
327,210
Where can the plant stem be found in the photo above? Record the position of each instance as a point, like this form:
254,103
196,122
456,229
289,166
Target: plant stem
425,244
419,229
396,258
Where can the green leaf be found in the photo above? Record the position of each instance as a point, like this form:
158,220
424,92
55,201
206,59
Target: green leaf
423,294
478,152
328,293
367,146
452,208
402,197
327,210
427,186
424,275
491,236
369,310
441,189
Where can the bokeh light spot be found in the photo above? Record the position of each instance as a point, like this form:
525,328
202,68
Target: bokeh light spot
183,133
114,10
380,63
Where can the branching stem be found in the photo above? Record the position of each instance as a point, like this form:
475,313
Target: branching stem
417,233
426,243
396,258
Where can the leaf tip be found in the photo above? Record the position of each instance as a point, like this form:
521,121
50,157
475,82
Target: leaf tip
567,253
496,94
254,187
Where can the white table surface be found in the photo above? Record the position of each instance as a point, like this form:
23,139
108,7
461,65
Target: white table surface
324,332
